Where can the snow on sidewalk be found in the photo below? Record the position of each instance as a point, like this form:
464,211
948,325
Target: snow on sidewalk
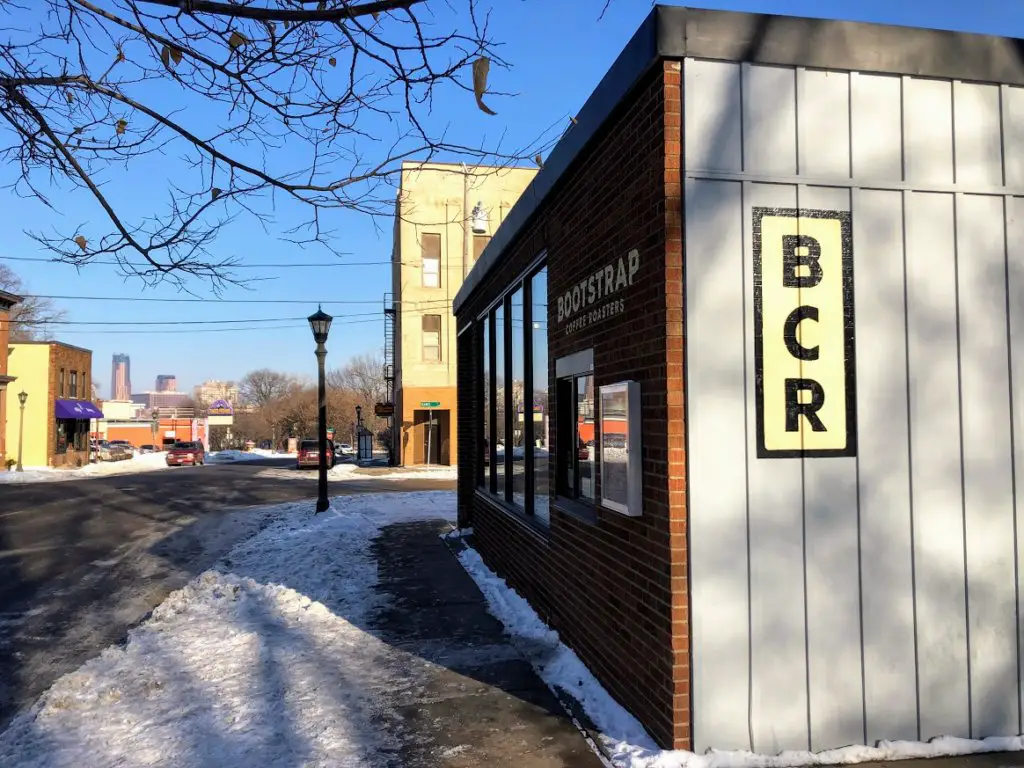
622,736
264,662
147,462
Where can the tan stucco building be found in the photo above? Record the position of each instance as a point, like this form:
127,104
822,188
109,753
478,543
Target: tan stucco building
446,214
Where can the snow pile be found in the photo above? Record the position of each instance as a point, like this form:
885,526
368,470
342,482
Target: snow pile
349,471
272,454
232,456
625,739
146,462
263,665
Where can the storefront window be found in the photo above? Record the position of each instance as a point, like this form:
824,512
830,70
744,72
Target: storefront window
62,436
485,475
518,436
499,397
539,315
585,436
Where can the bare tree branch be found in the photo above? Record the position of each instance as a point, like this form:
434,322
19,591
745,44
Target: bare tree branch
253,104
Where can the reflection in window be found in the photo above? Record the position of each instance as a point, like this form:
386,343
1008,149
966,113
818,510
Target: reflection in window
518,435
585,436
486,441
499,395
614,448
539,313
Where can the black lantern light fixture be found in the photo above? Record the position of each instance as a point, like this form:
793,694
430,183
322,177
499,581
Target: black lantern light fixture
320,323
22,398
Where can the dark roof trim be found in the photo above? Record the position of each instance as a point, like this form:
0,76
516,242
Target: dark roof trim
8,300
674,32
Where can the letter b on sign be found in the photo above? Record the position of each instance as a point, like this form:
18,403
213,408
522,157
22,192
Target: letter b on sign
805,371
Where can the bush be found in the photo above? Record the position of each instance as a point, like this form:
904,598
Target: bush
10,463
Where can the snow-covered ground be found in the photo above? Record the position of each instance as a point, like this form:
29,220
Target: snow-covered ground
626,740
233,456
263,662
146,462
351,471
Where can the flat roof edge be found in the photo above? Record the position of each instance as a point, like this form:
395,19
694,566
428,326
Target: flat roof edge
636,58
677,32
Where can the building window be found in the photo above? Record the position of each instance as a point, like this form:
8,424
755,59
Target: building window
430,252
500,342
516,466
60,384
575,426
74,384
539,387
432,338
85,386
514,426
484,473
479,243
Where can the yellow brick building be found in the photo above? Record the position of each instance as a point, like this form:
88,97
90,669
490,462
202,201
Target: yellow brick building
445,216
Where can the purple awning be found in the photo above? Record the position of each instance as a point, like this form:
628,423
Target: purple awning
77,409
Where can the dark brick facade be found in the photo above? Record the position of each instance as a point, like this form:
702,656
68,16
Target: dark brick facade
68,358
615,589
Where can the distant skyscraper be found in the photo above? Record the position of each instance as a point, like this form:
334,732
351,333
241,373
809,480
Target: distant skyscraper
166,382
121,378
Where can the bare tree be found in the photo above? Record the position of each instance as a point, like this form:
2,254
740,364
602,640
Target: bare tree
31,318
263,387
363,375
253,103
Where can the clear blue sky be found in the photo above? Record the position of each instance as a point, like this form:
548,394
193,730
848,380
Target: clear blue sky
559,51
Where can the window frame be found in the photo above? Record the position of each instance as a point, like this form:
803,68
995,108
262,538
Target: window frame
424,258
568,371
487,474
423,339
74,385
60,383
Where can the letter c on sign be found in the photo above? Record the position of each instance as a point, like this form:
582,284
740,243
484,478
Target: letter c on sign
796,349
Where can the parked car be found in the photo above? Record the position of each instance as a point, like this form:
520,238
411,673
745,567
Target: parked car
186,453
344,449
125,446
106,451
309,455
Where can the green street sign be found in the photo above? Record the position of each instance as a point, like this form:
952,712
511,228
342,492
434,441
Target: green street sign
430,404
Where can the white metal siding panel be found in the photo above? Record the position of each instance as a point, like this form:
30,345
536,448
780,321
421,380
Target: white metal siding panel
836,696
778,638
715,289
977,134
928,131
713,120
769,119
1013,135
902,559
935,465
823,100
1015,290
883,464
875,125
988,464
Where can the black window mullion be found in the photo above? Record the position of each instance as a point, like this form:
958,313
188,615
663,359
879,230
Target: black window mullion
528,437
509,416
480,367
576,484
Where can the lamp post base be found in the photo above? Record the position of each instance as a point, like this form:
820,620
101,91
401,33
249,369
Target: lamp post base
322,505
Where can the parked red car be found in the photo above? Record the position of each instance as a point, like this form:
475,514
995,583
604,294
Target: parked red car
309,455
181,454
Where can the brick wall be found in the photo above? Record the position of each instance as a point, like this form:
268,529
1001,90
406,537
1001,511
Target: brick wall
5,339
616,590
70,359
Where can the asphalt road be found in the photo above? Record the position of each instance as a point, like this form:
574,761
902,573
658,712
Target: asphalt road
82,561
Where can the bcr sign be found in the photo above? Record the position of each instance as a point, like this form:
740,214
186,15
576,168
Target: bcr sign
805,371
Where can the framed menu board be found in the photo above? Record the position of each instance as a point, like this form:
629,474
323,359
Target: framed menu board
620,468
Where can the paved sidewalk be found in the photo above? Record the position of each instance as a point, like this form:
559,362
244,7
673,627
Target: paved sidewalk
482,704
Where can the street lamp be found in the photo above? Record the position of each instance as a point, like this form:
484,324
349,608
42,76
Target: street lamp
154,426
22,397
320,323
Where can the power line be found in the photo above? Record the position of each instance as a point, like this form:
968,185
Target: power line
302,326
174,300
284,265
180,322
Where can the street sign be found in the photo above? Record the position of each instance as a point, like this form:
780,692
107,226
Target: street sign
429,404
